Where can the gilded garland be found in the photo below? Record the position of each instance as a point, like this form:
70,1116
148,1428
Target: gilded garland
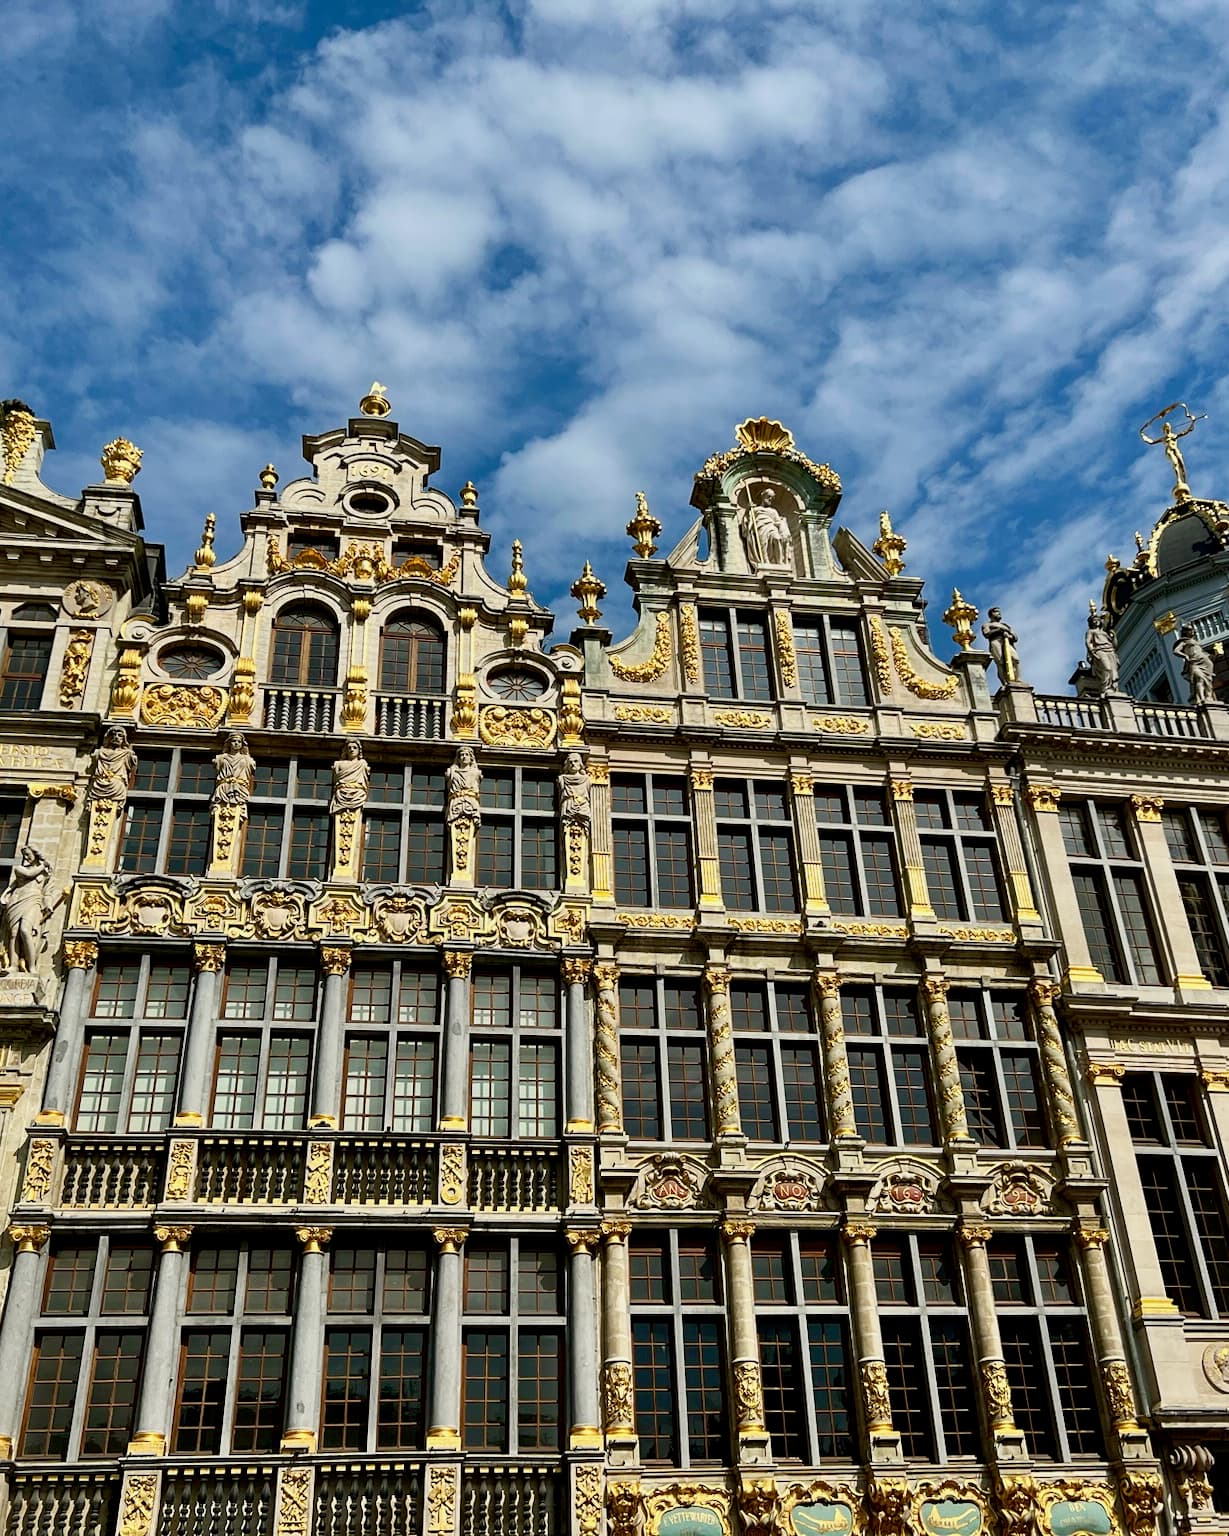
648,671
915,684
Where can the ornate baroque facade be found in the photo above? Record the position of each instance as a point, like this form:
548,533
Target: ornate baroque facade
751,1077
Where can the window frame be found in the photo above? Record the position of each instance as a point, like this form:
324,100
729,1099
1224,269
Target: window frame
431,656
649,822
776,1039
517,1034
739,652
135,1028
300,670
957,841
755,826
264,1029
418,812
887,1046
664,1039
991,1043
835,690
856,834
1106,872
393,1031
516,819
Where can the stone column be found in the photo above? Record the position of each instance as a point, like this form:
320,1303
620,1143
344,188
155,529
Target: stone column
618,1410
161,1347
868,1341
1043,994
307,1353
207,961
601,849
806,829
586,1431
445,1415
910,849
708,861
454,1096
1106,1332
724,1076
20,1305
80,958
579,1046
1175,928
992,1369
947,1068
606,1032
841,1123
1023,901
330,1039
1054,861
744,1341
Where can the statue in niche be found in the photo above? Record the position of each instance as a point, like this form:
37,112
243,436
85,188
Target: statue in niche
234,773
762,524
1196,666
351,779
1102,652
463,782
574,784
114,771
1001,639
23,911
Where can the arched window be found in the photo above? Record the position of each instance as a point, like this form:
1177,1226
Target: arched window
412,655
305,644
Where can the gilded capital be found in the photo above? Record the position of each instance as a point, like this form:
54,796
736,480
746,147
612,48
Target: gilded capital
1044,992
587,1239
701,777
450,1239
828,984
208,957
1002,794
974,1235
606,974
80,954
902,789
576,969
1091,1237
859,1232
334,961
717,979
1105,1072
936,988
313,1238
458,963
172,1239
1215,1079
29,1239
616,1231
1147,807
1043,797
737,1230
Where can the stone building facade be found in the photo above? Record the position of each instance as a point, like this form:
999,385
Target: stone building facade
750,1077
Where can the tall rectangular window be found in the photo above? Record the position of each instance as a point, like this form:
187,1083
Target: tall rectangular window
755,842
780,1089
517,839
1108,875
1199,848
1000,1068
652,840
830,666
129,1077
664,1062
392,1048
512,1354
515,1045
27,656
734,651
960,855
889,1066
857,850
262,1070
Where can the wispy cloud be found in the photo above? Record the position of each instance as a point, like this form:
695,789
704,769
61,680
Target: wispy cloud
961,249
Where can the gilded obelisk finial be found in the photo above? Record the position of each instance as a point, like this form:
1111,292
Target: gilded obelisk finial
1169,441
206,555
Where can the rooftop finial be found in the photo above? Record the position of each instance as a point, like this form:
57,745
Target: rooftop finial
16,434
588,591
759,435
268,478
375,402
1169,441
961,616
517,582
469,494
890,546
206,555
121,461
644,528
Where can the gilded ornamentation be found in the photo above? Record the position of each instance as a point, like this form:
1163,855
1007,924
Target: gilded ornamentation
583,1238
1119,1393
76,666
875,1395
623,1506
937,730
1091,1237
855,1231
617,1396
997,1392
655,920
580,1175
669,1182
335,962
737,1230
836,1062
465,707
17,433
28,1239
873,930
588,590
80,954
500,726
243,691
951,1096
644,714
172,1239
1019,1189
450,1239
588,1499
126,688
136,1515
40,1160
890,546
1002,794
66,794
442,1499
571,715
1043,797
452,1173
314,1239
905,1186
121,461
743,719
1016,1500
1215,1079
689,642
457,963
978,935
654,666
880,655
748,1395
1098,1072
318,1174
294,1502
1141,1494
961,616
180,1170
1169,441
208,957
766,924
787,656
721,1038
354,700
920,687
276,913
763,436
841,725
606,1048
1147,807
788,1184
87,599
889,1501
686,1495
644,528
178,704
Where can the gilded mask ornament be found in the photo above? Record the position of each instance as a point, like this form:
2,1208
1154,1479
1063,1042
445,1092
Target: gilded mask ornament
668,1183
399,916
1018,1189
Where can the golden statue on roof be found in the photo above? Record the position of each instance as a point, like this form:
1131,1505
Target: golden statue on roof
1169,441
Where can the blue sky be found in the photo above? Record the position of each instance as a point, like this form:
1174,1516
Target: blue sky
961,249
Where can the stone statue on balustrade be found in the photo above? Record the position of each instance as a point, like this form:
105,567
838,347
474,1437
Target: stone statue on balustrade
574,785
234,773
1196,666
114,771
463,782
1001,639
23,912
1102,652
351,780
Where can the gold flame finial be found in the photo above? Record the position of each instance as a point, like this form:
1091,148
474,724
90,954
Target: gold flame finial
644,528
268,478
588,591
890,546
516,581
121,461
961,616
469,494
375,402
759,435
206,555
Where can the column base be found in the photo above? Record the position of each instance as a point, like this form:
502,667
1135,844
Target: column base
885,1445
452,1122
322,1123
1154,1306
585,1437
1009,1443
299,1440
188,1117
49,1117
441,1438
147,1443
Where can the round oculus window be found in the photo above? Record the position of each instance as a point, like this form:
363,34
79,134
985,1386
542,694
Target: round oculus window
518,683
191,661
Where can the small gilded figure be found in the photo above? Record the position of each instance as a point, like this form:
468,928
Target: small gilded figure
1102,653
115,769
23,911
351,779
1001,639
1196,666
234,773
463,782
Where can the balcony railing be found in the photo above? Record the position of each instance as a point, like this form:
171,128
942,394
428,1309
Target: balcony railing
60,1503
249,1170
107,1175
384,1172
410,719
511,1501
216,1502
1074,714
305,710
368,1500
515,1179
1168,720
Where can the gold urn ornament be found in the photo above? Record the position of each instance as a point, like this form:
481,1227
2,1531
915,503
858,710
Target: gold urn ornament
644,528
121,461
375,402
588,591
961,616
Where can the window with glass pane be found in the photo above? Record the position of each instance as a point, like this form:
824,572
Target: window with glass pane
27,657
830,668
1110,891
678,1333
1000,1068
661,1031
1184,1188
889,1066
515,1053
1200,852
513,1346
517,838
390,1068
129,1078
305,647
734,653
412,655
857,851
960,855
651,840
777,1060
755,845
